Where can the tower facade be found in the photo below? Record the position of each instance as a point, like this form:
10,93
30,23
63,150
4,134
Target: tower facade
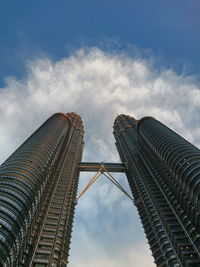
38,185
164,177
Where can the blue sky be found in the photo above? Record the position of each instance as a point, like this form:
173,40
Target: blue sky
100,59
170,29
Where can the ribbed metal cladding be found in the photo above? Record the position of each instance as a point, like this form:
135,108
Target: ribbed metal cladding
47,162
162,174
180,158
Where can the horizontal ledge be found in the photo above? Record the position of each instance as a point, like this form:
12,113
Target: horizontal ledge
96,166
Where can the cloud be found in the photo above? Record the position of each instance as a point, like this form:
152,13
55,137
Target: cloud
99,85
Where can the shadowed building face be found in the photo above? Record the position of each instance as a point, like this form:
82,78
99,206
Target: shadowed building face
163,173
38,187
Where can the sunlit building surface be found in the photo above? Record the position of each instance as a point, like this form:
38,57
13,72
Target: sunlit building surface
164,177
38,185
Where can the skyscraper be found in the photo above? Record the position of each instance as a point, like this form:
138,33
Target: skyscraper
38,185
164,177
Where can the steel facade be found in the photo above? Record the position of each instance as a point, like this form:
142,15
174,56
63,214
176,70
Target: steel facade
163,174
38,185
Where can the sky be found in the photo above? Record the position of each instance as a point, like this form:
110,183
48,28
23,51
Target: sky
100,59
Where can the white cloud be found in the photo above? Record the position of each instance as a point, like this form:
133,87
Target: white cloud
98,86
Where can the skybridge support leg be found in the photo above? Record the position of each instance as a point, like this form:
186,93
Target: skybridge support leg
102,169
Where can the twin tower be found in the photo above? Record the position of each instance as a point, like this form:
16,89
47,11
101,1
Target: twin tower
38,187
